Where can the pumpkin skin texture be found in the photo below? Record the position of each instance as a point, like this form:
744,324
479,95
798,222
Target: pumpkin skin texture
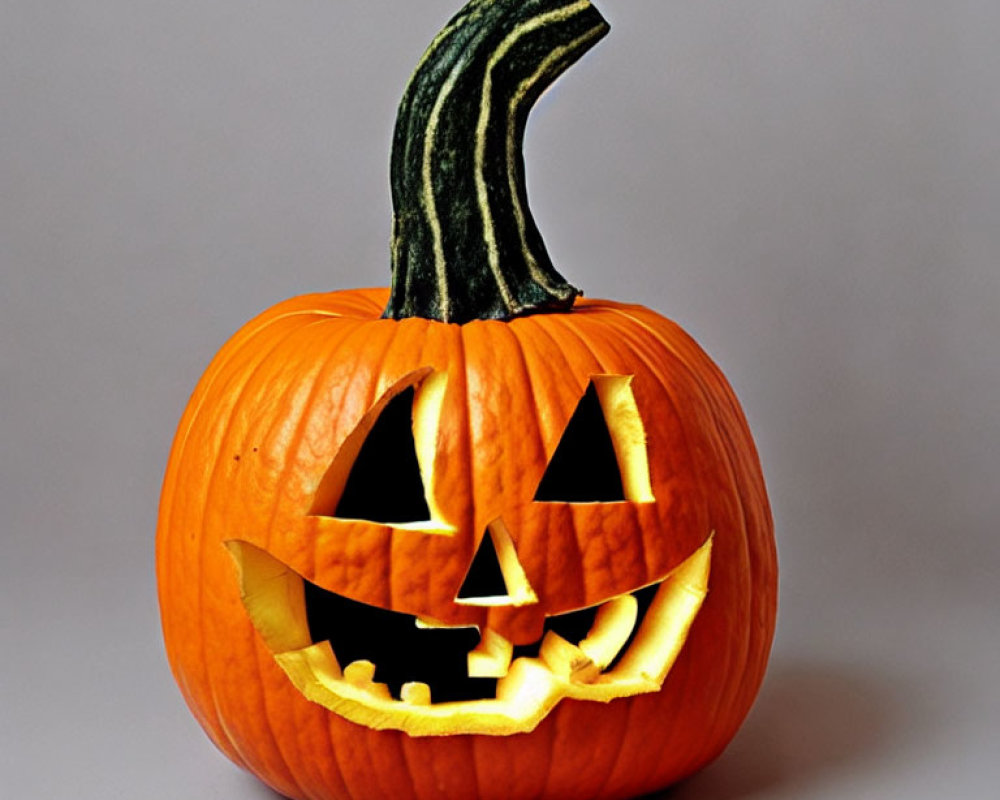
268,419
352,466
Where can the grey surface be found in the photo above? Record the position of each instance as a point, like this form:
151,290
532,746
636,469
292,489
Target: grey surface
811,188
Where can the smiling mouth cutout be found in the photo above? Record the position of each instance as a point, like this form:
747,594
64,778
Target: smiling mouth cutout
388,670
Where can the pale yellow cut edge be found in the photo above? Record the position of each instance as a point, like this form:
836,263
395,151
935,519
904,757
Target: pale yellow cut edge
628,434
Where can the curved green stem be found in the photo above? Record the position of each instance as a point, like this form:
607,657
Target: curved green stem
465,245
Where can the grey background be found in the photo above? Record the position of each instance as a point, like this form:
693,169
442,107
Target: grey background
811,188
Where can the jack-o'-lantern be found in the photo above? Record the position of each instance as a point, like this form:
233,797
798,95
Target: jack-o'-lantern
473,536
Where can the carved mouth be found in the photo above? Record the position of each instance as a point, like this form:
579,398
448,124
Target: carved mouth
385,669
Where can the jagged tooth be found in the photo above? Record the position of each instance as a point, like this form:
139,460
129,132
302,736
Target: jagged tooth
527,682
567,660
612,626
359,673
491,657
416,693
484,665
380,690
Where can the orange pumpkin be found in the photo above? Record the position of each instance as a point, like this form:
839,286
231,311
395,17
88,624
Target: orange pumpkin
474,537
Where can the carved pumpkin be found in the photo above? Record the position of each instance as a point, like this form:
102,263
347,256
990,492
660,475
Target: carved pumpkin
476,536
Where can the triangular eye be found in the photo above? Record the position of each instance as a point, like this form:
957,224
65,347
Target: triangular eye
384,484
584,468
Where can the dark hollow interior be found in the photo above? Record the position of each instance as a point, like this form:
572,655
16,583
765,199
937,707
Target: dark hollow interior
485,578
400,650
384,484
403,652
584,467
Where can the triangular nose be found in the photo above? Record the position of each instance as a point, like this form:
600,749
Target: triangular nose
485,578
496,577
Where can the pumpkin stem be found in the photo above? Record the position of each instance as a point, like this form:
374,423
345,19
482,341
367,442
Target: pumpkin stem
464,244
